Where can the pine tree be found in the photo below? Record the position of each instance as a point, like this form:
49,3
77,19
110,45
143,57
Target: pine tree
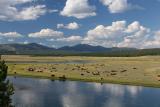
6,88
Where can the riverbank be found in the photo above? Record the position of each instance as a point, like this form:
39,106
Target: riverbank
142,71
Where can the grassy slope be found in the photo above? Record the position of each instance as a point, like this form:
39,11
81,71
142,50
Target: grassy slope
139,70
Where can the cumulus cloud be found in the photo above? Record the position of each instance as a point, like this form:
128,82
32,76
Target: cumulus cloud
71,26
10,11
106,35
136,36
119,34
133,27
119,6
78,8
54,38
157,35
137,39
31,13
71,39
46,33
66,41
53,11
10,35
154,42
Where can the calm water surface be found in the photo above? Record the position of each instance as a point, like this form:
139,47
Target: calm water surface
51,62
31,92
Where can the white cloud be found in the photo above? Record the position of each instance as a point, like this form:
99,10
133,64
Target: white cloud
119,6
54,38
118,35
10,35
31,13
71,26
46,33
71,39
10,11
154,42
106,35
53,11
78,8
136,36
66,41
14,2
133,27
157,35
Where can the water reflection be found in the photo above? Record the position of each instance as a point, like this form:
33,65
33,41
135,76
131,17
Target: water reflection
6,90
117,90
45,93
133,90
73,97
51,62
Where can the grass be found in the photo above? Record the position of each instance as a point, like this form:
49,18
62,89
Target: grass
143,71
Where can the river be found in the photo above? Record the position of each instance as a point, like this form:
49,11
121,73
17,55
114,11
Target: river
30,92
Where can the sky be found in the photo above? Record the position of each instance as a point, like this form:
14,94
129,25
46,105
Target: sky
57,23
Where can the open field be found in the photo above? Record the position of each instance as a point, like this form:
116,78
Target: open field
124,70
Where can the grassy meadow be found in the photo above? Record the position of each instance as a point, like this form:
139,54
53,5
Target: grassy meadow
143,71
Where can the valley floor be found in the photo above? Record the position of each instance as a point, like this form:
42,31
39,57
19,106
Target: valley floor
143,71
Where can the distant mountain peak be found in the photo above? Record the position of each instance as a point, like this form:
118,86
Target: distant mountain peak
39,49
83,48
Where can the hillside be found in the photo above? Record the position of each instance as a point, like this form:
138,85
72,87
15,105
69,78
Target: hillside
77,50
31,48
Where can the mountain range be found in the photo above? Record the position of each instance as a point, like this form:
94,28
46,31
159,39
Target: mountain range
79,49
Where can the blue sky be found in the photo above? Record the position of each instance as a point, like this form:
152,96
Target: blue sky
56,23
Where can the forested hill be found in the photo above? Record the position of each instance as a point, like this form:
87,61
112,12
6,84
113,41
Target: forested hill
77,50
